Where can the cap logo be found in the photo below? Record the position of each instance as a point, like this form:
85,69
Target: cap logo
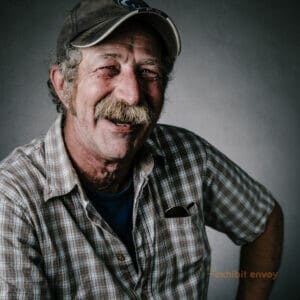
131,4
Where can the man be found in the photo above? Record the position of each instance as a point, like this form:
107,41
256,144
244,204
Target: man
110,205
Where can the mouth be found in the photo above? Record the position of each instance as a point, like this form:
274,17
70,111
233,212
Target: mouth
123,127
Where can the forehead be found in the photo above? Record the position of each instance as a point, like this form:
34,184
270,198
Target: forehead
131,37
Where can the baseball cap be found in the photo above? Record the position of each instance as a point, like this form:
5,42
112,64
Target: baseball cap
91,21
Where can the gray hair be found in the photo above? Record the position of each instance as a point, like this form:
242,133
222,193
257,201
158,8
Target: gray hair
68,65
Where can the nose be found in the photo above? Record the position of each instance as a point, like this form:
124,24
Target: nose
128,88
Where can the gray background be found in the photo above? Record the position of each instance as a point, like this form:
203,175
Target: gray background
235,84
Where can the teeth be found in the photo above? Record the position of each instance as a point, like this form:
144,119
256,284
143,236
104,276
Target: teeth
120,123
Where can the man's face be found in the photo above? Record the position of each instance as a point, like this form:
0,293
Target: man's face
125,70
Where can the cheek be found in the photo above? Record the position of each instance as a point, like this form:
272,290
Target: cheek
88,95
156,96
93,88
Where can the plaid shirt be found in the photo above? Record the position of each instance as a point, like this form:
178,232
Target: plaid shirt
54,244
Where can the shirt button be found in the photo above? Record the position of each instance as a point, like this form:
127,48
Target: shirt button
120,257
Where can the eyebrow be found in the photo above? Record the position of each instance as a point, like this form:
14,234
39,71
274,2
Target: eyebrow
148,61
110,55
151,61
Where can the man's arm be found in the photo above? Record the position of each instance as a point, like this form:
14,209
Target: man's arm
21,262
260,260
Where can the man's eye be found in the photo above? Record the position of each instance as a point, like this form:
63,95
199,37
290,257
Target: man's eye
107,71
149,74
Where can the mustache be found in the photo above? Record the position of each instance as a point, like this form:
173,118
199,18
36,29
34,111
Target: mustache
119,111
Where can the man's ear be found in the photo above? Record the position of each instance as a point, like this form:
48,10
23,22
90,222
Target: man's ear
58,81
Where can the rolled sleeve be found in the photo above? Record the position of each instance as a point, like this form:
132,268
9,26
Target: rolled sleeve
234,203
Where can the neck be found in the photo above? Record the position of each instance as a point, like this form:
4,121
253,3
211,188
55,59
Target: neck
106,180
102,175
95,171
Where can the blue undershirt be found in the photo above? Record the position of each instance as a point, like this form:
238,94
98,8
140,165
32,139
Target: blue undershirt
116,210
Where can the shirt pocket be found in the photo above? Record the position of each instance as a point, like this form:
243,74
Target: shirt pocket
178,249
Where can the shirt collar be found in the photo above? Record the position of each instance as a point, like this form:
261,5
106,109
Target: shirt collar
152,144
61,176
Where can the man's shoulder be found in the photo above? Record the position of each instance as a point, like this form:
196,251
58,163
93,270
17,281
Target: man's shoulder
178,144
174,138
23,169
23,157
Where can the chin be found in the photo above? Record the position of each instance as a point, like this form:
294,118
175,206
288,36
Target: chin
118,151
120,146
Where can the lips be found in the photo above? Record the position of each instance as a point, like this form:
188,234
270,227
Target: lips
122,127
125,127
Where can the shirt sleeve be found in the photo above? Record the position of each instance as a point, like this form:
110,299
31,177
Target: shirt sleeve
234,203
21,271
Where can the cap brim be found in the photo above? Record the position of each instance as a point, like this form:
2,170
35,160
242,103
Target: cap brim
158,20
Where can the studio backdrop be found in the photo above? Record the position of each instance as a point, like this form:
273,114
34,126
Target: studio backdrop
236,84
